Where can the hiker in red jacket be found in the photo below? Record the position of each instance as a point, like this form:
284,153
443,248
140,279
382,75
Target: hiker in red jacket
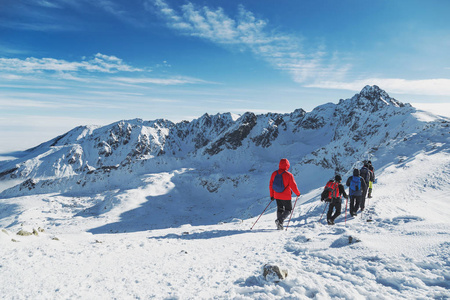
333,193
282,184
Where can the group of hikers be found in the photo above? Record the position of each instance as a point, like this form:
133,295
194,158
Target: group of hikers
282,184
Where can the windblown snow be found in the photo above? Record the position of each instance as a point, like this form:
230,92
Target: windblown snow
156,209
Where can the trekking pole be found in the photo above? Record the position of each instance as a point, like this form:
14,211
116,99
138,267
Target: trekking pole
261,214
326,205
292,212
346,201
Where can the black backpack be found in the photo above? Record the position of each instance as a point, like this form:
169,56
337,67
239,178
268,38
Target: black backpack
365,174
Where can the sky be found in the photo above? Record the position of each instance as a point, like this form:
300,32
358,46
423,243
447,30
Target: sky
66,63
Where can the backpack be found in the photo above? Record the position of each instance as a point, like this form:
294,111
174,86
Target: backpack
365,174
331,191
372,175
278,184
355,186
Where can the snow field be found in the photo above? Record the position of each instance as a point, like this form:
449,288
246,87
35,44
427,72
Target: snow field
115,245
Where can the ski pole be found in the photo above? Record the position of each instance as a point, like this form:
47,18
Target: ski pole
326,205
292,212
261,214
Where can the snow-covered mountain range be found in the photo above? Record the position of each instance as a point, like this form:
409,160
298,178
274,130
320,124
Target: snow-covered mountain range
164,209
371,124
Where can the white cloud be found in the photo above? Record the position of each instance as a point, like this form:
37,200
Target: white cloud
247,32
46,4
440,109
6,102
100,63
10,77
437,87
159,81
25,131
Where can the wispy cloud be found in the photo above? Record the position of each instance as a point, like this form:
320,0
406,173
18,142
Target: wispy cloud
160,81
87,72
437,87
100,63
247,32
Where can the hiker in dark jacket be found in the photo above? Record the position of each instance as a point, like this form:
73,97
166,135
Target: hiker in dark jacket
284,197
372,179
335,200
356,186
366,175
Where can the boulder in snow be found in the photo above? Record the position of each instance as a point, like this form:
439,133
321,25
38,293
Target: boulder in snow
24,233
274,273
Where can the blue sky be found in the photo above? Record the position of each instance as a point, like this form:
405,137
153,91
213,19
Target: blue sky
65,63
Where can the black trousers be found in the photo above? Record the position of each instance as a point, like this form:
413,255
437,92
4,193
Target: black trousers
354,204
362,201
284,209
336,206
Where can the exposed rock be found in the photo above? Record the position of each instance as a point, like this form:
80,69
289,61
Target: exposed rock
352,240
233,138
24,233
274,273
8,172
28,184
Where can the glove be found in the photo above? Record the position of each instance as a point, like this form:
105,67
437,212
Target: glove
272,198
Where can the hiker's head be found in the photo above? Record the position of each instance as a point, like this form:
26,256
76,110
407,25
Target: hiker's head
356,172
338,178
284,164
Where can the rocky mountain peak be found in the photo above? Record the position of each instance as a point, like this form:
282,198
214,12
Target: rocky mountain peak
372,98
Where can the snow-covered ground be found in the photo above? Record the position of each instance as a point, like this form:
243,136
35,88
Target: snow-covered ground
403,254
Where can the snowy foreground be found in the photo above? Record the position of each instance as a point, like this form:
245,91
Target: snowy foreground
403,254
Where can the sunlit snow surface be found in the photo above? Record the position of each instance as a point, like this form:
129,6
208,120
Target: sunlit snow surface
402,254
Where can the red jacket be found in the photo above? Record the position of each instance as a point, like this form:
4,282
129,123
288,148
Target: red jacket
288,180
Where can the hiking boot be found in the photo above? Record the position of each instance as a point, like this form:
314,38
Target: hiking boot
279,225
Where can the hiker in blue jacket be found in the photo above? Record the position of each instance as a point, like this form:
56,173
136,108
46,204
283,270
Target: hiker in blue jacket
356,185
